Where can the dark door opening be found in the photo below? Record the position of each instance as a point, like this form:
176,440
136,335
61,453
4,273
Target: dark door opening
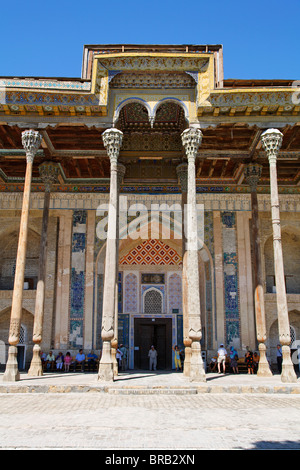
21,357
148,331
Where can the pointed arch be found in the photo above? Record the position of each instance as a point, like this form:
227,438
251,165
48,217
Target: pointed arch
127,101
174,100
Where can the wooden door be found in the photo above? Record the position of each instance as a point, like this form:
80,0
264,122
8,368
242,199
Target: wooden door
157,333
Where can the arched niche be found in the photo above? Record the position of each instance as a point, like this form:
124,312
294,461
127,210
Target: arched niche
25,340
131,113
171,112
273,334
8,249
291,259
153,301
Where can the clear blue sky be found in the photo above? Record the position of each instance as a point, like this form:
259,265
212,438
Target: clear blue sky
46,39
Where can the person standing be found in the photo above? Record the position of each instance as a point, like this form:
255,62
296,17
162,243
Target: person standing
233,360
222,353
124,356
177,358
279,358
119,358
249,361
152,354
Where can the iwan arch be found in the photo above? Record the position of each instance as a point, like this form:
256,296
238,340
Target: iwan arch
146,126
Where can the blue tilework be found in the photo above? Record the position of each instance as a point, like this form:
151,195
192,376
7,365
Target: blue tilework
77,287
231,288
77,293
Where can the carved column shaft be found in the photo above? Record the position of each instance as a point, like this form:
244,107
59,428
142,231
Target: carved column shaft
31,141
252,175
182,172
191,140
48,172
112,139
272,140
121,172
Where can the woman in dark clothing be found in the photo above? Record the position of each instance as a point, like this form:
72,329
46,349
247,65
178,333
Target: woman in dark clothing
249,361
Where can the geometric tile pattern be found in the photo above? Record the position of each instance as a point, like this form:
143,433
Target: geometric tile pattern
153,287
152,252
175,294
77,279
231,290
130,293
209,301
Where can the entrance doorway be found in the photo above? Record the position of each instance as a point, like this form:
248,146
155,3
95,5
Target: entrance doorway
156,332
21,357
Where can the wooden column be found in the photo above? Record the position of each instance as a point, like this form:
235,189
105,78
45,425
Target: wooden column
272,140
252,176
112,139
121,172
31,141
61,333
48,172
182,172
191,140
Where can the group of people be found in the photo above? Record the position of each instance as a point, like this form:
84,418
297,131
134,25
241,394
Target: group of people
63,363
178,358
251,360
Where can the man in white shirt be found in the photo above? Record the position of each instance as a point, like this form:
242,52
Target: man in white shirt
222,353
152,358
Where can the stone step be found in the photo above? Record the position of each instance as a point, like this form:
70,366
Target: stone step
152,391
148,390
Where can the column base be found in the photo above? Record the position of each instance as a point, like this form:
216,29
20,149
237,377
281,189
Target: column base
288,374
106,369
197,373
12,373
114,360
36,368
263,365
187,362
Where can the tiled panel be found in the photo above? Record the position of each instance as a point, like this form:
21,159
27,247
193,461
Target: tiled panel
148,287
179,319
120,292
131,293
77,279
231,289
123,330
175,293
152,252
209,242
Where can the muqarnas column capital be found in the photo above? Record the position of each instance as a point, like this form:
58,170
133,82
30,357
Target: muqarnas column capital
252,174
182,173
31,141
49,172
272,141
191,141
112,140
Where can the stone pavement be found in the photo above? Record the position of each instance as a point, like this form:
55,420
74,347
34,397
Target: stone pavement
145,382
143,411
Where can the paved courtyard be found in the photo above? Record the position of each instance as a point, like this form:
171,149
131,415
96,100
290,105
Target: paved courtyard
104,421
156,412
